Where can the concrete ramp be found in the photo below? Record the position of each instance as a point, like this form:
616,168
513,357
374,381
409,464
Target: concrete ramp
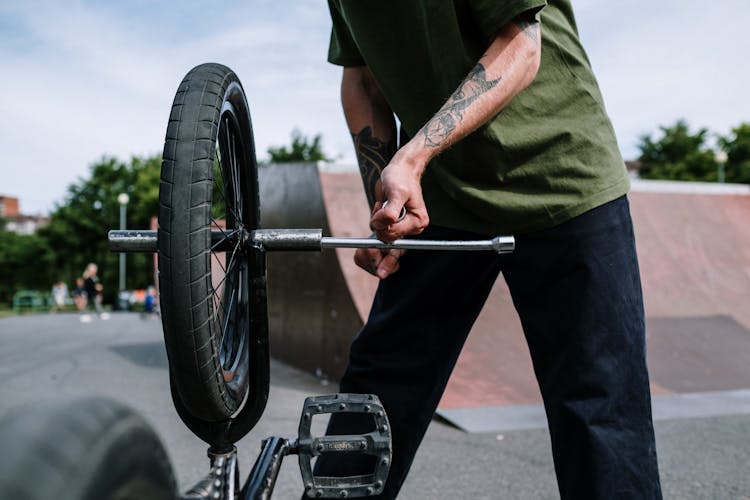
316,301
694,249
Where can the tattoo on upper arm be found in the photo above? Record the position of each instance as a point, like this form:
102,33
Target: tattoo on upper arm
439,128
529,26
372,155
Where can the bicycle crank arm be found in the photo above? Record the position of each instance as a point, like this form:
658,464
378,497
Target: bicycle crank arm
303,240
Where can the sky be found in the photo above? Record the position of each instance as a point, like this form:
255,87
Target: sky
84,79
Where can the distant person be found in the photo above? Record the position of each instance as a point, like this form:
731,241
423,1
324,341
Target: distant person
59,296
149,302
94,289
80,298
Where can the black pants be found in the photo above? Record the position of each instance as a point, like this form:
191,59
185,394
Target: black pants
577,290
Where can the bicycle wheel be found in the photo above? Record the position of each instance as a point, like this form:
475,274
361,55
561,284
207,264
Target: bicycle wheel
208,183
91,449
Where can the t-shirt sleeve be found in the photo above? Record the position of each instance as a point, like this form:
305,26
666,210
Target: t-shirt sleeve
491,15
342,50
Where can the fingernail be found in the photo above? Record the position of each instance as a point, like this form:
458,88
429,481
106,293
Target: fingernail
382,273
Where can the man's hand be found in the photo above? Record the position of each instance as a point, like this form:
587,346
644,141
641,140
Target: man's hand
380,263
401,188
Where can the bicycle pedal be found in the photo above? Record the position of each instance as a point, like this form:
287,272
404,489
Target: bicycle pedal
376,443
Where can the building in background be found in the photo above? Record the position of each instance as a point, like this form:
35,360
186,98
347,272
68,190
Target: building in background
16,221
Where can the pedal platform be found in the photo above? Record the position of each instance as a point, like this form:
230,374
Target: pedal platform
376,443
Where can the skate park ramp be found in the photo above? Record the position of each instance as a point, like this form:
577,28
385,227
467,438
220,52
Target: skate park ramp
694,248
316,301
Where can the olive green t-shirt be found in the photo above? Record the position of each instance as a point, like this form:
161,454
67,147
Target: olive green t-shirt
550,155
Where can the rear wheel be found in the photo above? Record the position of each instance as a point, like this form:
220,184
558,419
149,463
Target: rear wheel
92,449
208,184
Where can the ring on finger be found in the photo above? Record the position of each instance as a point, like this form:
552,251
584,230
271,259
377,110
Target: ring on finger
401,216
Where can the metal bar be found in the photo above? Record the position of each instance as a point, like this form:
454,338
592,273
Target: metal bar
132,241
269,239
146,241
287,239
309,239
262,479
123,219
499,244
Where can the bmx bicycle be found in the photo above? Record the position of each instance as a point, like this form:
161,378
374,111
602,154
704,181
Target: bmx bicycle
212,279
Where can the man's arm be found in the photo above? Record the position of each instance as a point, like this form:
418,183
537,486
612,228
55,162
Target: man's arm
371,124
373,130
508,66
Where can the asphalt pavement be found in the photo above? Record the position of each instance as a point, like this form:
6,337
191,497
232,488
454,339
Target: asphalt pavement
48,356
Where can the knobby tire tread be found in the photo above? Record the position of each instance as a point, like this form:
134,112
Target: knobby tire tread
185,196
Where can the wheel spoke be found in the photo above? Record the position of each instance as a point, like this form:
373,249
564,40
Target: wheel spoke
217,300
218,177
227,314
227,305
228,186
236,184
232,169
227,235
230,267
218,261
235,251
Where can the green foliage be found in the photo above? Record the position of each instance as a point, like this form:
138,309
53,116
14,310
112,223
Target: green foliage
678,155
77,231
737,148
302,149
22,256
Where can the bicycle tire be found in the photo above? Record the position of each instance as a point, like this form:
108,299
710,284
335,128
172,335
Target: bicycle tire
91,449
208,182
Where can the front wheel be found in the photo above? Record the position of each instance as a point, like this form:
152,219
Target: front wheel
209,184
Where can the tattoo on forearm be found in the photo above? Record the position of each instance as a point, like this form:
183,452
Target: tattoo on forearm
530,28
439,128
372,155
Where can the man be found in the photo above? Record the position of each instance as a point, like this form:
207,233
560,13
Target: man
503,132
94,289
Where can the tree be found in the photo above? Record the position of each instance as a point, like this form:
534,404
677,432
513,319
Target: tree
302,149
77,231
678,155
737,147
